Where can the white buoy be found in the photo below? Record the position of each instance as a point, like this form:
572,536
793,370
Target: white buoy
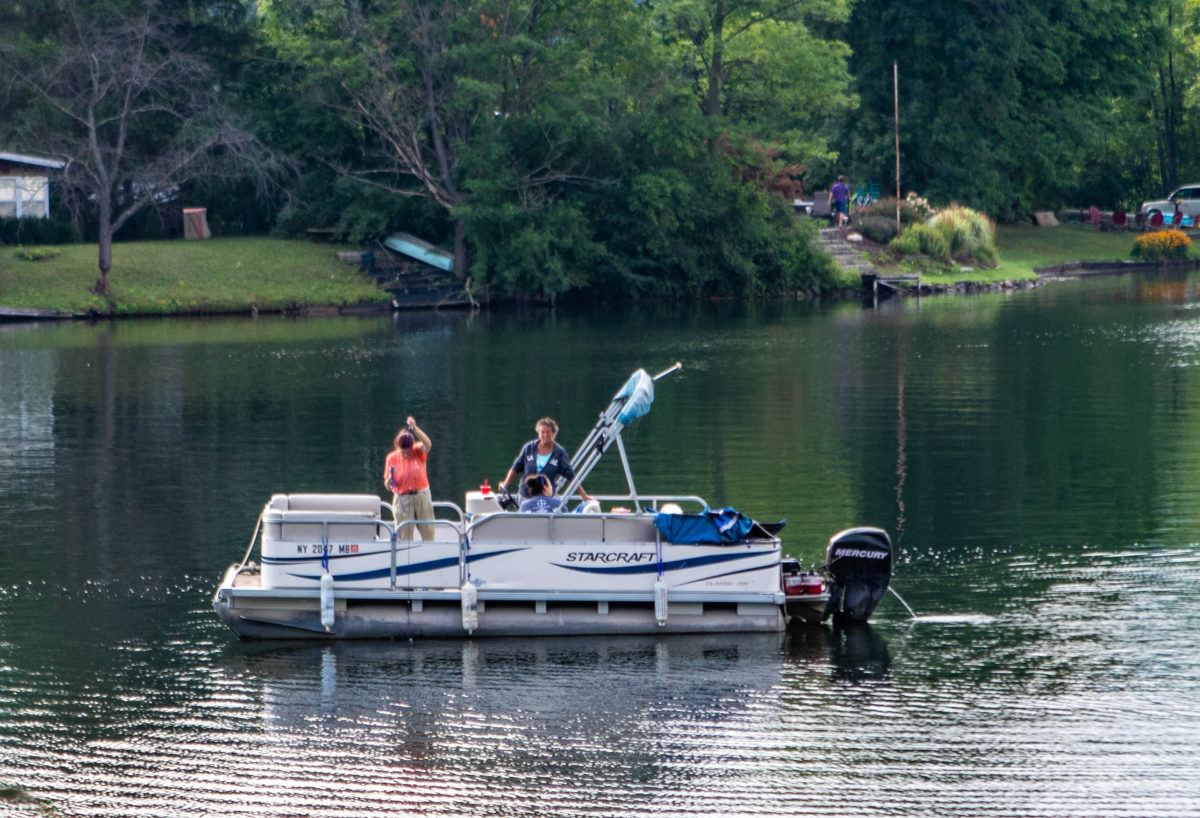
660,601
327,613
470,607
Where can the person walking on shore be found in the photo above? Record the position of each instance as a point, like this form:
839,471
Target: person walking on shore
839,201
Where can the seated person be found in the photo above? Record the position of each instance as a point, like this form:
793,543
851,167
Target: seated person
541,494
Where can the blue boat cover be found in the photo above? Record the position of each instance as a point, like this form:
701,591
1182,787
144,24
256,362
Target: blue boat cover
639,390
710,527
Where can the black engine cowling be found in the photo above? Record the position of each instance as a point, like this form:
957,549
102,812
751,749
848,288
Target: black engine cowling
858,562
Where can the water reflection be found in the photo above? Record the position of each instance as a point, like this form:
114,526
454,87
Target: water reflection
860,653
852,653
1037,456
547,722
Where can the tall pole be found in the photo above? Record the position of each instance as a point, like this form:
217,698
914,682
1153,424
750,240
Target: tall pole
896,120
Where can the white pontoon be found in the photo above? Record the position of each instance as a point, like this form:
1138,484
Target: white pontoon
337,565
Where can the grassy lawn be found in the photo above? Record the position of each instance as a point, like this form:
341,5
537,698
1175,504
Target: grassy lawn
237,274
165,277
1024,247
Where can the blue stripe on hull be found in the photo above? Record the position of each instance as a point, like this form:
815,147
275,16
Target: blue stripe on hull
669,565
749,570
403,570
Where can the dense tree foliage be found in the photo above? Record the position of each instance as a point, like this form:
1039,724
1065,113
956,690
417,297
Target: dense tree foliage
131,109
556,138
1002,104
605,147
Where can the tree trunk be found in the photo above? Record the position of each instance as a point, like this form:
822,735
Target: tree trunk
712,99
1159,140
105,241
460,250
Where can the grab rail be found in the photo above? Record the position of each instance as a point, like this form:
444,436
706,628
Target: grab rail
459,534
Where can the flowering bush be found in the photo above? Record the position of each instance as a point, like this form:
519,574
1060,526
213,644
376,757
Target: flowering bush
1161,245
877,220
919,205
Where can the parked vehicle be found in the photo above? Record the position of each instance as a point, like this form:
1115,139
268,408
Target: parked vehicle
1186,199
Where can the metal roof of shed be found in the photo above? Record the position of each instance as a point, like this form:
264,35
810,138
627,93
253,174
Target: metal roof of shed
35,161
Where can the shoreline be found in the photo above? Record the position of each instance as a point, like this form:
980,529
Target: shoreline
1066,271
392,302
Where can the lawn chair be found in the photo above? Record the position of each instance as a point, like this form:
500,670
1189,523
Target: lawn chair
820,208
1156,219
1093,216
1118,218
873,191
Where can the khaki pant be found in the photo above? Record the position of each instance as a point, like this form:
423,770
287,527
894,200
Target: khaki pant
418,506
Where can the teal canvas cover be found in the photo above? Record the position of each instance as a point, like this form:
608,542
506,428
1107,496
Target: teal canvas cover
710,527
638,392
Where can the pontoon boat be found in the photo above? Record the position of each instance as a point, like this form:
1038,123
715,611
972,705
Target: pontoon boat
338,565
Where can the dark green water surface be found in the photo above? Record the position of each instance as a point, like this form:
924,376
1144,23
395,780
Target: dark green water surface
1035,456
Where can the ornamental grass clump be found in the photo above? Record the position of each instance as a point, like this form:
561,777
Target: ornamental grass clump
969,233
1161,245
921,239
954,233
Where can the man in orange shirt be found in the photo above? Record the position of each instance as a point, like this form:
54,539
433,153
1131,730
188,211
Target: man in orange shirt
404,475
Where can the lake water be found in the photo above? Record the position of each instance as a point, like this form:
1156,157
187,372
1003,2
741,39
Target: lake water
1036,457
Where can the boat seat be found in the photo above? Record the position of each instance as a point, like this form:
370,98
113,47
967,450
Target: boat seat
329,503
302,517
561,529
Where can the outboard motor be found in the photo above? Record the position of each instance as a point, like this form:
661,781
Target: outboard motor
859,564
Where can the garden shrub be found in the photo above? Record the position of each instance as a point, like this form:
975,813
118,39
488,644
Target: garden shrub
933,241
906,244
878,229
34,231
918,206
912,211
1161,245
922,239
34,253
968,233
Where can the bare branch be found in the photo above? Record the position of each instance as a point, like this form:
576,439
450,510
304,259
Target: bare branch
133,114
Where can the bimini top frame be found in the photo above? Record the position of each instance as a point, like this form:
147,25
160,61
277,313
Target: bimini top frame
631,402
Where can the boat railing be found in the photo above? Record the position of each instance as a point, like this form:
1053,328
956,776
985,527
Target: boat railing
312,517
656,501
457,527
619,524
333,517
636,504
445,505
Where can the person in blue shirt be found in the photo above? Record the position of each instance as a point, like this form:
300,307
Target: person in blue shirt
543,498
543,456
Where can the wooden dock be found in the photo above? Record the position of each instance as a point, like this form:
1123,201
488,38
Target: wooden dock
29,314
892,282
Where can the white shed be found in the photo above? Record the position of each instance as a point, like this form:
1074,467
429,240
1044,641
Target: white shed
25,185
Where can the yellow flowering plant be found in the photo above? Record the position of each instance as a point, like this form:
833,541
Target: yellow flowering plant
1161,245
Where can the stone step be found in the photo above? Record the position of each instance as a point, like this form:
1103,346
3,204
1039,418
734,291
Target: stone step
845,254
